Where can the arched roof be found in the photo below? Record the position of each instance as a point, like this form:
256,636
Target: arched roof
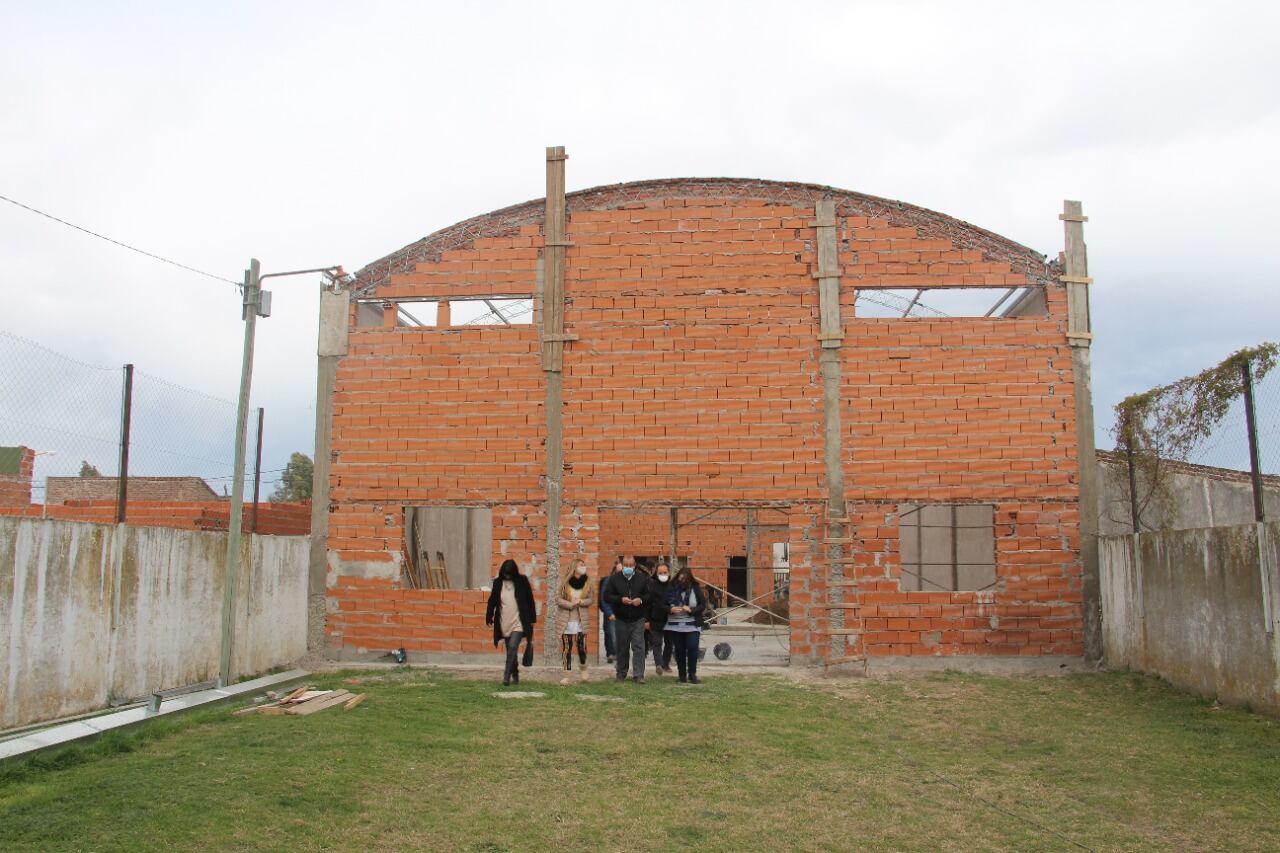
508,220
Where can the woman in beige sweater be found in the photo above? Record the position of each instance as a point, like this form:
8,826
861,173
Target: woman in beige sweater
575,600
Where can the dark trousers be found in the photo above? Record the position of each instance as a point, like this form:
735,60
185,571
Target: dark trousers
512,670
610,647
661,644
686,645
629,635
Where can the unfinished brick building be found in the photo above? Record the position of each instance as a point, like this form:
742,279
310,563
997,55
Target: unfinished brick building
703,349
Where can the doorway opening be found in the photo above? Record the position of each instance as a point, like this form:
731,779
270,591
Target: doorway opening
739,555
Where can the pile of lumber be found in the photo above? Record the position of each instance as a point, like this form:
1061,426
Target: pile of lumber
303,701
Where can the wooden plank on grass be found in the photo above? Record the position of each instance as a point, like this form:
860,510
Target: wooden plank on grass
307,695
335,697
354,702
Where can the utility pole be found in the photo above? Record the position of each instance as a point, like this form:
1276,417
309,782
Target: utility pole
250,309
256,303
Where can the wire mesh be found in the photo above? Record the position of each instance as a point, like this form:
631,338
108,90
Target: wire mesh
69,412
1228,445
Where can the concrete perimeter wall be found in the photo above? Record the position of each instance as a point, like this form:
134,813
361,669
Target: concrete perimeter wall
91,613
1191,610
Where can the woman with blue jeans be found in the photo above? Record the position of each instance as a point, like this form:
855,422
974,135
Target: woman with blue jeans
685,603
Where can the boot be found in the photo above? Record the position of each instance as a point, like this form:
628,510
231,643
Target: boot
582,673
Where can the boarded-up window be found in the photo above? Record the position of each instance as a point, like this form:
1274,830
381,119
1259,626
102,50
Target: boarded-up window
947,546
448,547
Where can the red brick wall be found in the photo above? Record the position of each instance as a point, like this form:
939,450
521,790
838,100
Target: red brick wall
15,489
282,519
695,381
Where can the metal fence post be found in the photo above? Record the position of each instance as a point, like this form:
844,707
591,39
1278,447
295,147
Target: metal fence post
1251,423
257,472
1135,520
1259,507
126,415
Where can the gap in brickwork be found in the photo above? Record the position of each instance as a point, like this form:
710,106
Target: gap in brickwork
959,302
433,313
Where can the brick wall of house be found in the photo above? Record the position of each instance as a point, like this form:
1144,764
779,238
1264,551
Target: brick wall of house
694,382
15,476
172,489
274,519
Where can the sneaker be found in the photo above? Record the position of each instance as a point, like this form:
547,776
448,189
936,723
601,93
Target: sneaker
684,681
619,678
564,680
639,679
610,659
506,682
515,678
693,679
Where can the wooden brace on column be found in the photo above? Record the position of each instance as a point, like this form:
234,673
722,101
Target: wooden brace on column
553,254
1075,274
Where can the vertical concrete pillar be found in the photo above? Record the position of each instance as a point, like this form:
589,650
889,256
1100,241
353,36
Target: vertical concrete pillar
553,339
1075,275
835,539
331,346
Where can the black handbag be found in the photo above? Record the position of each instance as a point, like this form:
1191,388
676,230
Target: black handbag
527,660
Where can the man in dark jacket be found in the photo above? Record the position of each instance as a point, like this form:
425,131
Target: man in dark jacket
658,641
627,592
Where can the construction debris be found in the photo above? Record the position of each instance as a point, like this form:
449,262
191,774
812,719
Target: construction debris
303,701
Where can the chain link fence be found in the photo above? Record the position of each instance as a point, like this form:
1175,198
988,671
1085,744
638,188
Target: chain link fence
1201,451
71,416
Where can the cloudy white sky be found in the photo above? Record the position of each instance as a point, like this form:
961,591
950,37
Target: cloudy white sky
308,134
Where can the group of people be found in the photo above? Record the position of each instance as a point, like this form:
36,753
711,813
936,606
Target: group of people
643,613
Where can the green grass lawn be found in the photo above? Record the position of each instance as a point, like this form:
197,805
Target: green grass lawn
434,762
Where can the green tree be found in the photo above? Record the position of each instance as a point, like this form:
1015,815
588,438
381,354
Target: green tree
87,470
295,480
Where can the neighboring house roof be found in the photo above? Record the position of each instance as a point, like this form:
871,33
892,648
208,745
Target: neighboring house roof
181,489
508,220
1117,457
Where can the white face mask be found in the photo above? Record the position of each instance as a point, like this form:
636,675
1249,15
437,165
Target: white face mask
664,578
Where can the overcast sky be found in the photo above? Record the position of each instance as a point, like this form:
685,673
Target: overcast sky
320,133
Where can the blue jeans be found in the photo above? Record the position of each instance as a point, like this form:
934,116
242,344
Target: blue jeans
686,643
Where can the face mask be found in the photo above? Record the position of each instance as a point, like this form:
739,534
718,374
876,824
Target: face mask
628,571
664,577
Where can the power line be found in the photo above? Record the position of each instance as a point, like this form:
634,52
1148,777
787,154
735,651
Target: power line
117,242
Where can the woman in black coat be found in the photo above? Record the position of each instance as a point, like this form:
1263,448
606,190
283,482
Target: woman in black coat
511,612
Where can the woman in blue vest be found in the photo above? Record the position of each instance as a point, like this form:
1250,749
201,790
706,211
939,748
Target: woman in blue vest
685,603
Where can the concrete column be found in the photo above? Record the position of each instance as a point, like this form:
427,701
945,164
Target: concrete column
331,345
1075,276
